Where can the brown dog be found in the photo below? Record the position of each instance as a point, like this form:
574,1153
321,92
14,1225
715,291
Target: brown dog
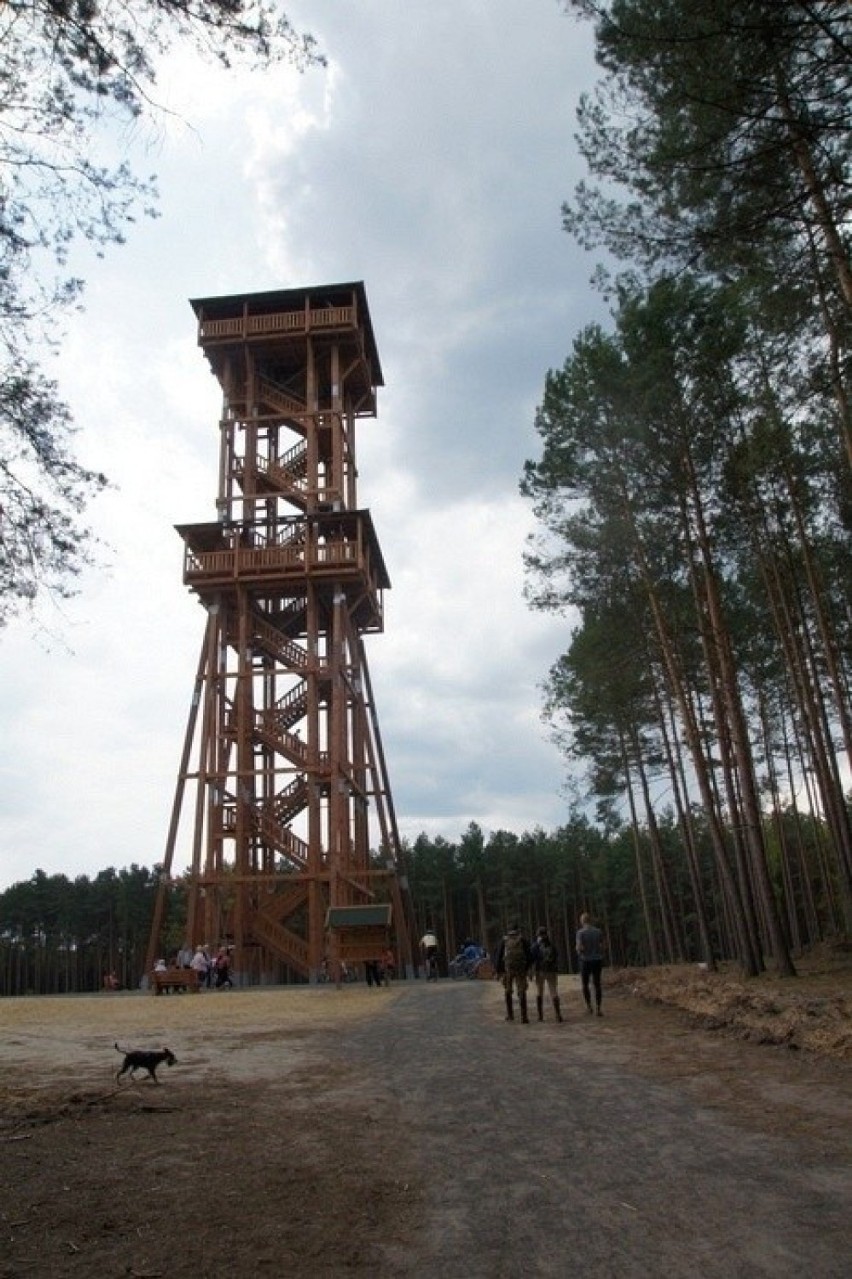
138,1059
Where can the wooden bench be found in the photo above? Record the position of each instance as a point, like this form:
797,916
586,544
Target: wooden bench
172,979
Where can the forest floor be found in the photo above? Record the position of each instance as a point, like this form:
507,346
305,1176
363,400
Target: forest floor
701,1126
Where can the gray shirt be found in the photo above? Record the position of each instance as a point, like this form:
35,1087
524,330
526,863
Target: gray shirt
589,942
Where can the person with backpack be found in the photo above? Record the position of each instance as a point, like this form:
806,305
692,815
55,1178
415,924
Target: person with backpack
545,966
513,965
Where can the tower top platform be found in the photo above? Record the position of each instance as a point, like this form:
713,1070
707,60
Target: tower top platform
287,315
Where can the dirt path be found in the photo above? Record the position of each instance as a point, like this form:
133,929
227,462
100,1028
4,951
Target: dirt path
412,1132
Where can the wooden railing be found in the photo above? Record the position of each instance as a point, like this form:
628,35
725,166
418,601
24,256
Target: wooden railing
279,398
263,560
291,475
281,837
283,902
269,828
290,801
288,471
271,638
286,944
295,459
293,846
249,326
290,708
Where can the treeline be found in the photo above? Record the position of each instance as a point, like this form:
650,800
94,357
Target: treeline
694,489
61,935
657,899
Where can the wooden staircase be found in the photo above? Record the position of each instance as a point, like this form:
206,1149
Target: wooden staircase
282,942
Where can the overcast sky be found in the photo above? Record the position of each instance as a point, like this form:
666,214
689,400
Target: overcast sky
429,160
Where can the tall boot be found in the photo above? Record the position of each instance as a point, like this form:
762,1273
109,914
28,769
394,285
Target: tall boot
539,1003
556,1008
510,1012
588,1000
524,1018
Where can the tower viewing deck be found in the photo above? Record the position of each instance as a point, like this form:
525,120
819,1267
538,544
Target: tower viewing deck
282,327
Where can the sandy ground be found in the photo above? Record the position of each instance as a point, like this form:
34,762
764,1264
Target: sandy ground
412,1131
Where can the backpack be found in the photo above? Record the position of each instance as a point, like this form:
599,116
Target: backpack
514,954
547,956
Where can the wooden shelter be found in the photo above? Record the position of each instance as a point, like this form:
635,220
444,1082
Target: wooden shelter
358,934
283,772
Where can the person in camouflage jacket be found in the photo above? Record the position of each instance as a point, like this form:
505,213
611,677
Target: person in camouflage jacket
513,965
545,968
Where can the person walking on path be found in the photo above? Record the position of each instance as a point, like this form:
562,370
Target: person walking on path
429,946
545,967
590,953
513,965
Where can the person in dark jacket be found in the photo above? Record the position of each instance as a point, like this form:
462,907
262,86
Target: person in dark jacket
513,965
545,967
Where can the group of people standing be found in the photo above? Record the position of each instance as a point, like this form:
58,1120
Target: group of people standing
518,960
213,970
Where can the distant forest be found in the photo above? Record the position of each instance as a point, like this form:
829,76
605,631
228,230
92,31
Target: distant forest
655,890
61,935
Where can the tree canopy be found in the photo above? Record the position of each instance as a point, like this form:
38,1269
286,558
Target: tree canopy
693,489
720,140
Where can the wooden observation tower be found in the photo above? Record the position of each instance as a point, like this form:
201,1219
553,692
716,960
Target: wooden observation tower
282,786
